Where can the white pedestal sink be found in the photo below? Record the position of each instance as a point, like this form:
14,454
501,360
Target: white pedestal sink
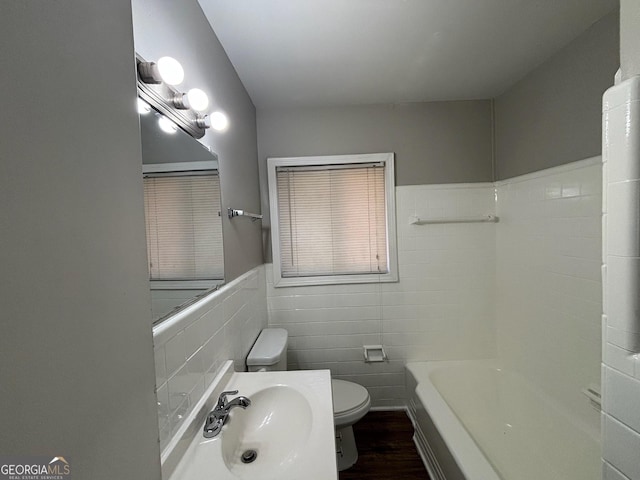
286,433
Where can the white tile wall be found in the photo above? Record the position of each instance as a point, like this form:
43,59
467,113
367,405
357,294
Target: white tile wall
543,257
623,405
549,281
621,446
442,308
191,347
621,259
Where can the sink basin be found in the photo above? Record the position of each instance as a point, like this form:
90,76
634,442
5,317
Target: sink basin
259,429
286,433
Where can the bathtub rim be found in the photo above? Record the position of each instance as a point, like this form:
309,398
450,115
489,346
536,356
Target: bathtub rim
470,459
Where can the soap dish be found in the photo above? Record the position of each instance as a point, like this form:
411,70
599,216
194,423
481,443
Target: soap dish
374,353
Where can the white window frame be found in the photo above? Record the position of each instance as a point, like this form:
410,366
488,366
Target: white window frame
389,190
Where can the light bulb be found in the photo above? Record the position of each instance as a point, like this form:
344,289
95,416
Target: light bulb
170,70
143,107
219,121
167,125
198,99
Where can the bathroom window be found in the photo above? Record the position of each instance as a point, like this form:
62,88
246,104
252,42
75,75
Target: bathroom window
332,219
182,217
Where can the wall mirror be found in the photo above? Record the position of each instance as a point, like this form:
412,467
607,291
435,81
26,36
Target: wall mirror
182,215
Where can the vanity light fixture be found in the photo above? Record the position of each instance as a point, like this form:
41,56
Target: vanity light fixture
148,73
204,122
219,121
166,125
181,101
143,107
170,70
156,83
198,99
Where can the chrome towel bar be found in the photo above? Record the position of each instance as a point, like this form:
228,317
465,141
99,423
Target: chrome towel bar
425,221
241,213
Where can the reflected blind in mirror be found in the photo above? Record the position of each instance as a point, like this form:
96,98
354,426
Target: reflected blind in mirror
332,220
184,228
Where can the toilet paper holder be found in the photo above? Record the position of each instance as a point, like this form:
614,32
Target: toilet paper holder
374,353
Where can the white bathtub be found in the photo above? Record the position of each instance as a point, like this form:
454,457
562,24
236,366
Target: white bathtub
474,421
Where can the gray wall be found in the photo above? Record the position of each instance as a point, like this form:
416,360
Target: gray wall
76,356
553,115
180,29
436,142
630,38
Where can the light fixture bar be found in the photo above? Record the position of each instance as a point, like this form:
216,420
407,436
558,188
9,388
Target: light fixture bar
148,72
181,101
165,99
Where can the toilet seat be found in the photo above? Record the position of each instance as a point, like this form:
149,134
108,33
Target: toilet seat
350,402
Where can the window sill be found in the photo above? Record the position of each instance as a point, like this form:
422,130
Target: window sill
279,282
184,284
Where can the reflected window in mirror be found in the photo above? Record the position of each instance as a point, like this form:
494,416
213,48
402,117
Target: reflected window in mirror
184,234
182,217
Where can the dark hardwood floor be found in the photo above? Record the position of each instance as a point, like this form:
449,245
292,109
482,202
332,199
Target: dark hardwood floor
385,449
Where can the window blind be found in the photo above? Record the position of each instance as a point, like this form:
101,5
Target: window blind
332,220
184,228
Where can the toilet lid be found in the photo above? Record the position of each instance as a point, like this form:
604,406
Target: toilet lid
347,396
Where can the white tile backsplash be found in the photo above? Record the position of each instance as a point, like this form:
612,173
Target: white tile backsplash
621,320
442,307
549,281
174,352
621,447
623,405
161,366
618,358
623,310
624,222
191,347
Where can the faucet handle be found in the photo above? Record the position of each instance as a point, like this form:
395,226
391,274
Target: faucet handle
222,399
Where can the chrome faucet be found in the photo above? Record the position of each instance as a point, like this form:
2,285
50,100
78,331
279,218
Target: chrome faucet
218,416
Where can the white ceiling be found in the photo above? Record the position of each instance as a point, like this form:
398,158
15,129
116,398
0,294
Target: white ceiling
342,52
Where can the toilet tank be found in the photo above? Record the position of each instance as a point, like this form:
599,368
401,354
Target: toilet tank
270,351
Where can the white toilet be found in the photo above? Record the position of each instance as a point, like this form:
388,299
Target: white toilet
351,401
